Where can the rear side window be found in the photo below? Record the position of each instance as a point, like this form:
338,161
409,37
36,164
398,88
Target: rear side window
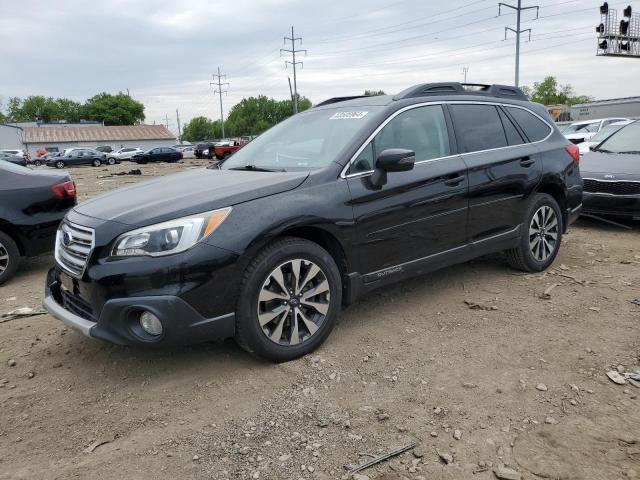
534,128
513,136
478,127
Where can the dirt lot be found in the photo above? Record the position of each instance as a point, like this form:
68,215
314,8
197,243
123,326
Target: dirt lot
518,380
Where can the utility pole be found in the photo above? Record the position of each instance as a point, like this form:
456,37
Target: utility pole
179,130
219,91
519,9
166,120
291,92
465,70
293,52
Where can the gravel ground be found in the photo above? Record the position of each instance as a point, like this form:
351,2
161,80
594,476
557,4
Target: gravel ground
475,364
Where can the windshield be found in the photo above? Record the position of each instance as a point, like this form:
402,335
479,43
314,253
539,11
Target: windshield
306,141
581,127
605,133
12,167
625,140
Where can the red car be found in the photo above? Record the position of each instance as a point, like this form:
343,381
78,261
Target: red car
223,150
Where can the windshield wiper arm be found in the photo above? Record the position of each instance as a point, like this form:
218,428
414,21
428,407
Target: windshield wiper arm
631,151
253,168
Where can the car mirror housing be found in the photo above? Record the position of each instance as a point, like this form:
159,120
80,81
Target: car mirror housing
392,160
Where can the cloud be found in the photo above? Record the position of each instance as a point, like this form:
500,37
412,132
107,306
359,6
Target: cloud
164,51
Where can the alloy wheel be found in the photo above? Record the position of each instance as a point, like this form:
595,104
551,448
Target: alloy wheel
4,258
543,233
293,302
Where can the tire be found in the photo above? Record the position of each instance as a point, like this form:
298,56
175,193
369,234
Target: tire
258,283
37,163
542,221
111,161
60,164
8,265
96,162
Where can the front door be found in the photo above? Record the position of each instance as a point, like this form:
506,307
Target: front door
416,213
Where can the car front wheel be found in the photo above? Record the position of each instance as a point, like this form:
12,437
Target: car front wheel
111,161
96,162
37,163
59,164
541,235
9,257
289,300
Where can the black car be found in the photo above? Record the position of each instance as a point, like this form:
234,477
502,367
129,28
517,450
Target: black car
158,154
611,173
13,158
32,203
200,148
326,206
105,148
77,157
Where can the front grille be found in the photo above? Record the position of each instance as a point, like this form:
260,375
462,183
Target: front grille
77,306
612,188
74,244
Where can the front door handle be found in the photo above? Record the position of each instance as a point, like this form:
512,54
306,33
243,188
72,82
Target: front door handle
454,181
527,162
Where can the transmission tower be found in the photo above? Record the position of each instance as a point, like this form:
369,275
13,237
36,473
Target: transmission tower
219,84
518,30
293,52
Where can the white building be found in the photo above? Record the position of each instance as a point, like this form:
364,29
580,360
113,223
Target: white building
57,137
11,137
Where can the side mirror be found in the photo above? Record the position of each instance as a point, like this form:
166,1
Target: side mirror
392,160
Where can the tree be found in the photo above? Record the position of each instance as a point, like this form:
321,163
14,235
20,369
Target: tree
373,93
200,128
254,115
118,109
549,92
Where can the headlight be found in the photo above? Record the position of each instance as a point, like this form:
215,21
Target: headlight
169,237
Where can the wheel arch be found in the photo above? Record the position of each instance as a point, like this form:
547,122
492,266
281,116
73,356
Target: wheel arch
8,229
558,192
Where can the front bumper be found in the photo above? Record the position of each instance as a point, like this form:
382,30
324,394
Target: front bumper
615,205
118,320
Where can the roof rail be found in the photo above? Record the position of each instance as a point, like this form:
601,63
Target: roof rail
455,88
339,99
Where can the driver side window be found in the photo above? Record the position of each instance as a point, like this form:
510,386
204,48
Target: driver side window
422,130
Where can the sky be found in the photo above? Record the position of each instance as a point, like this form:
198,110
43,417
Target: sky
165,52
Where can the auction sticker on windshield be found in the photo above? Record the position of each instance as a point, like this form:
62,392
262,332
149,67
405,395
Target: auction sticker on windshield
347,115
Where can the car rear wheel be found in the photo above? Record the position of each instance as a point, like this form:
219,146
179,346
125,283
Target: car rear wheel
59,164
9,257
541,235
96,162
289,300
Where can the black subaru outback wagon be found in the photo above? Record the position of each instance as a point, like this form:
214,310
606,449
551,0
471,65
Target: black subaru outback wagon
344,198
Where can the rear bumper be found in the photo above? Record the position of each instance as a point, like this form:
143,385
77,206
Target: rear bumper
119,318
614,205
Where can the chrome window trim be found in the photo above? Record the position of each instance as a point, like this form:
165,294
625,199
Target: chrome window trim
610,181
343,173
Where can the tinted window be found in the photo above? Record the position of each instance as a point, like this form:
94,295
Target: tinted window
478,127
534,128
625,140
364,161
513,136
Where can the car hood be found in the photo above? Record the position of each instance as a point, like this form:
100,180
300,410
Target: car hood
622,166
187,193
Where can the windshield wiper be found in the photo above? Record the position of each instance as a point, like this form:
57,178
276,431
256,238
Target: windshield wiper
253,168
602,150
631,151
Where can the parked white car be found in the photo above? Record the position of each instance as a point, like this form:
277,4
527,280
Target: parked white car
602,135
579,132
125,153
188,151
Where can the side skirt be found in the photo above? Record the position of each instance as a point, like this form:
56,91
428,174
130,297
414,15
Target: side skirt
357,284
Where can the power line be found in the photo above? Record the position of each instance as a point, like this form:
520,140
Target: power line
219,91
518,30
293,52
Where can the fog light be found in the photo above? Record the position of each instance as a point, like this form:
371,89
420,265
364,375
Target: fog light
150,323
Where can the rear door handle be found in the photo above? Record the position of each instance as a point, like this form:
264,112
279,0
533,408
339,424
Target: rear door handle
527,161
454,181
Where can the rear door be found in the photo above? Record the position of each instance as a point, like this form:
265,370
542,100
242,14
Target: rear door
417,213
503,168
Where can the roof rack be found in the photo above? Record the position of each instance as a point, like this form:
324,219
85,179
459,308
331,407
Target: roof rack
339,99
455,88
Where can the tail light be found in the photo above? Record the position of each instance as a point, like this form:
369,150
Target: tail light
574,151
64,190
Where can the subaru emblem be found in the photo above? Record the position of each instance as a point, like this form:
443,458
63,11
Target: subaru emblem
67,239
